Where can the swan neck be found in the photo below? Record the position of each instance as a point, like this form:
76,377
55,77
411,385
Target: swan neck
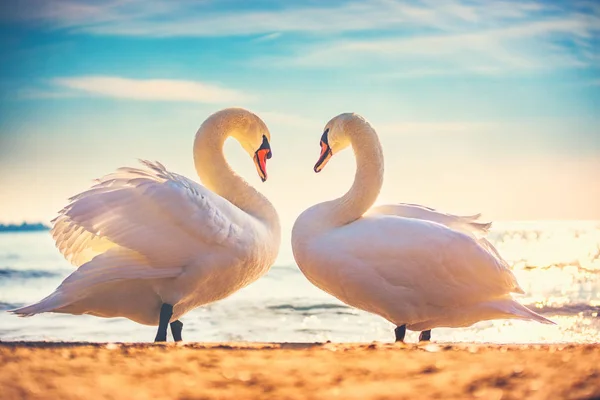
218,176
368,179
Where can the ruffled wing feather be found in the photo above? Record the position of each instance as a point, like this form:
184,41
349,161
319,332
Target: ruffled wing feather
160,215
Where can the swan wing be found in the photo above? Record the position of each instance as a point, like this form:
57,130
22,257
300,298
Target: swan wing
164,217
420,259
467,224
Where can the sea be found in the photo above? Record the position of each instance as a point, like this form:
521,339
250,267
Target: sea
556,263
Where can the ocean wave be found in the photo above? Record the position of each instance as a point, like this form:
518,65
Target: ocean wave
8,306
10,256
323,306
566,309
523,265
314,309
9,273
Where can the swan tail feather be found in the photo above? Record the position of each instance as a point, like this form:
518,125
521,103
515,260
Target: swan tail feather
502,308
516,310
49,303
111,267
473,217
518,289
480,227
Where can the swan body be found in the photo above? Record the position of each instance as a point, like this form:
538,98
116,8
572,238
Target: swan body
145,237
416,267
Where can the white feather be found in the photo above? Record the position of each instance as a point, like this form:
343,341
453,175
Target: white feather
467,224
146,236
410,264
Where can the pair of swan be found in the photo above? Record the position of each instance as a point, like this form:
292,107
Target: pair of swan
151,245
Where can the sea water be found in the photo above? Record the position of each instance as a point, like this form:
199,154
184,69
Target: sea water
556,263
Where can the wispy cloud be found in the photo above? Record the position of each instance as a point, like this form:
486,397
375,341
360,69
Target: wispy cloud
427,72
528,45
144,89
266,38
188,18
475,36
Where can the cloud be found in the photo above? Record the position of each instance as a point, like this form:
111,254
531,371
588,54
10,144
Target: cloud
189,18
530,45
428,72
149,89
268,37
452,36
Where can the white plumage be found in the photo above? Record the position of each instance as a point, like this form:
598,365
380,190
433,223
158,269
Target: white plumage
144,237
410,264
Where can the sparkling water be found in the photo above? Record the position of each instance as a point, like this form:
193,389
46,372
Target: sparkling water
556,263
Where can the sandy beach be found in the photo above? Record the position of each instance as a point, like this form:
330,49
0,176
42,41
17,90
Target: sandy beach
39,370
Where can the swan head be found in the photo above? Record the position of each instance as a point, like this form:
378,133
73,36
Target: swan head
255,138
261,154
252,134
335,138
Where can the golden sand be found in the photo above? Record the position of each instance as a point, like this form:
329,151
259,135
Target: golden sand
298,371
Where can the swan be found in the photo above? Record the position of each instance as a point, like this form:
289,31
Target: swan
151,245
412,265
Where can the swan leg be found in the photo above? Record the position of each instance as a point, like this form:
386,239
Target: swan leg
400,332
425,336
176,328
166,312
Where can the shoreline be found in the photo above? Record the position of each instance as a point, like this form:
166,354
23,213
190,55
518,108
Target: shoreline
69,370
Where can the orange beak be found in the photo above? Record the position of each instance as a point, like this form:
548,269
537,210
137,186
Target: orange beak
260,158
325,153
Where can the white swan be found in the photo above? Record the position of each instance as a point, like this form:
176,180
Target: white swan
152,245
412,265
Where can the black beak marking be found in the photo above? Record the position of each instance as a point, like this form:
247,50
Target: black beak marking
324,138
326,154
266,146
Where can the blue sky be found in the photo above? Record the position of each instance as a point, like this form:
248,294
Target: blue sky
489,106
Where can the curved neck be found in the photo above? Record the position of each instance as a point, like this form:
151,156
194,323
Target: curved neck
367,180
216,174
